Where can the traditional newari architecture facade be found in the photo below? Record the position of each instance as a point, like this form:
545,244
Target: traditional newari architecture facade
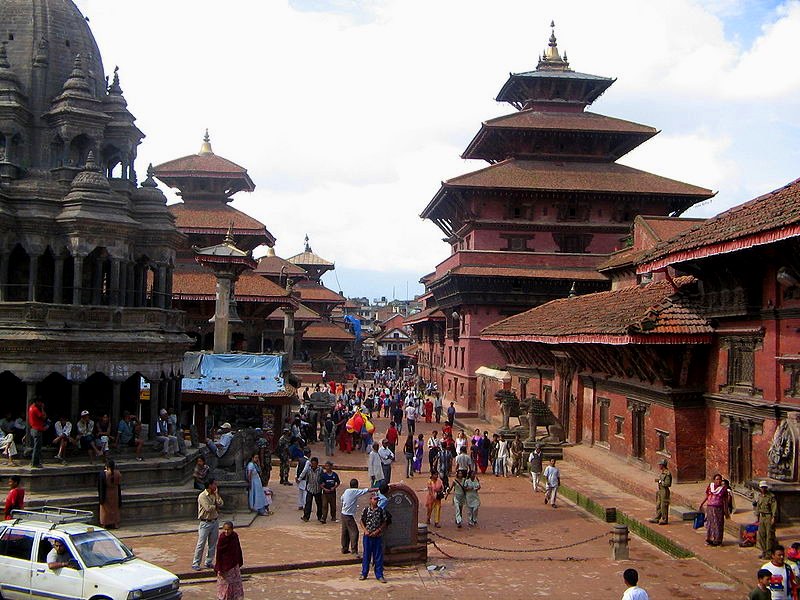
86,254
537,222
263,311
698,364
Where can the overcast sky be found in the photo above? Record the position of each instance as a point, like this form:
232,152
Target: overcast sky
348,114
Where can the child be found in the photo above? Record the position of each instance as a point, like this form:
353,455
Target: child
761,591
793,553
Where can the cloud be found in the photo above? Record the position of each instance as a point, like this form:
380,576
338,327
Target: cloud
348,114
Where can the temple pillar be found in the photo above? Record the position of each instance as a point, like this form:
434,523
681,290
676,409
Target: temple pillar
58,280
177,397
3,275
75,402
113,296
288,338
155,397
116,402
160,290
30,394
142,289
33,276
77,279
130,288
122,295
222,332
168,290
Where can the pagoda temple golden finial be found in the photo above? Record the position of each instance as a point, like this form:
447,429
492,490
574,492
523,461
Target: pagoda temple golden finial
229,236
551,60
205,147
552,47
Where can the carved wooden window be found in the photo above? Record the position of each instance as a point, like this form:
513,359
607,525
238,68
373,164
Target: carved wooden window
661,437
741,364
604,411
516,243
619,424
572,243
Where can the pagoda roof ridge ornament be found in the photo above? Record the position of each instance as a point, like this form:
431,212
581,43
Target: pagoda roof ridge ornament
551,60
115,88
150,182
307,247
205,147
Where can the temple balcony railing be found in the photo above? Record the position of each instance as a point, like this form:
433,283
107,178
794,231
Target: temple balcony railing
38,315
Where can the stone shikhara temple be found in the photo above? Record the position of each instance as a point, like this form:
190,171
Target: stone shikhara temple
86,253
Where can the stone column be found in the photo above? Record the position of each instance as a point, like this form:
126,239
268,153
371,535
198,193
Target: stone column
30,394
288,338
130,288
155,396
160,289
77,279
222,333
113,297
168,290
142,292
33,276
58,280
116,402
3,275
177,397
75,406
122,295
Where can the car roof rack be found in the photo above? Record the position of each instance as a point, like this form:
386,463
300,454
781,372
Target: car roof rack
54,515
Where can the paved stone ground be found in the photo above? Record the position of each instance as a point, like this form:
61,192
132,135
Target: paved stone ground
511,517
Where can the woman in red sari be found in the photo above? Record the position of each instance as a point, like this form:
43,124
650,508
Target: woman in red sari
228,564
428,410
716,502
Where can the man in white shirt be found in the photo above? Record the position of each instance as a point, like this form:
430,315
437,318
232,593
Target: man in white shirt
220,447
387,457
374,468
411,417
63,437
553,478
782,574
163,436
348,513
631,578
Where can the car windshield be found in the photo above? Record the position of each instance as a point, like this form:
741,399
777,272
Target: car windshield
100,548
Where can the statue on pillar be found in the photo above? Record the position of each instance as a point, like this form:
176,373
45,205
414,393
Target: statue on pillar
782,452
509,404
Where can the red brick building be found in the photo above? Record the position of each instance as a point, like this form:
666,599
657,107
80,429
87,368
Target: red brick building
701,365
537,222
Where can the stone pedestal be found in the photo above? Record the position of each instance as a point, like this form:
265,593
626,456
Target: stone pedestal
405,539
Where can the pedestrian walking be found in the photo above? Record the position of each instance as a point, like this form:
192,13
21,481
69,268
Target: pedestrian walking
208,504
437,406
329,481
433,502
419,452
434,446
256,498
633,591
664,481
373,522
451,414
766,506
228,563
109,490
37,420
761,591
459,496
472,500
516,448
329,434
408,452
502,458
716,503
553,478
374,468
283,455
411,417
349,501
387,457
535,466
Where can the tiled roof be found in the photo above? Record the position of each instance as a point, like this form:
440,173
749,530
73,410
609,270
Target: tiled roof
653,313
574,176
214,217
433,313
309,258
303,313
206,165
666,227
583,275
582,121
650,230
767,219
325,330
626,257
276,266
249,288
310,291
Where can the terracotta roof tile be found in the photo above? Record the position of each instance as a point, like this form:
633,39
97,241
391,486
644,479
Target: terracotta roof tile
653,313
574,176
325,330
310,291
303,313
207,164
767,219
309,258
580,274
249,288
215,217
582,121
276,266
433,313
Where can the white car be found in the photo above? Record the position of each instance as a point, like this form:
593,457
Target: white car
96,565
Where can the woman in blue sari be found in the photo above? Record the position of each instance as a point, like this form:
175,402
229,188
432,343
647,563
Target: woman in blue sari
256,497
419,451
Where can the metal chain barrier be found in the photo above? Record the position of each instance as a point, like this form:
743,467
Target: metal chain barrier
515,550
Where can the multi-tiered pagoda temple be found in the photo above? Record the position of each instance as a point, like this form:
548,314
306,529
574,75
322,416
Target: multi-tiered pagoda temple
535,224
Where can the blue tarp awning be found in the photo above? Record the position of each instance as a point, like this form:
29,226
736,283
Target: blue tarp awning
236,374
